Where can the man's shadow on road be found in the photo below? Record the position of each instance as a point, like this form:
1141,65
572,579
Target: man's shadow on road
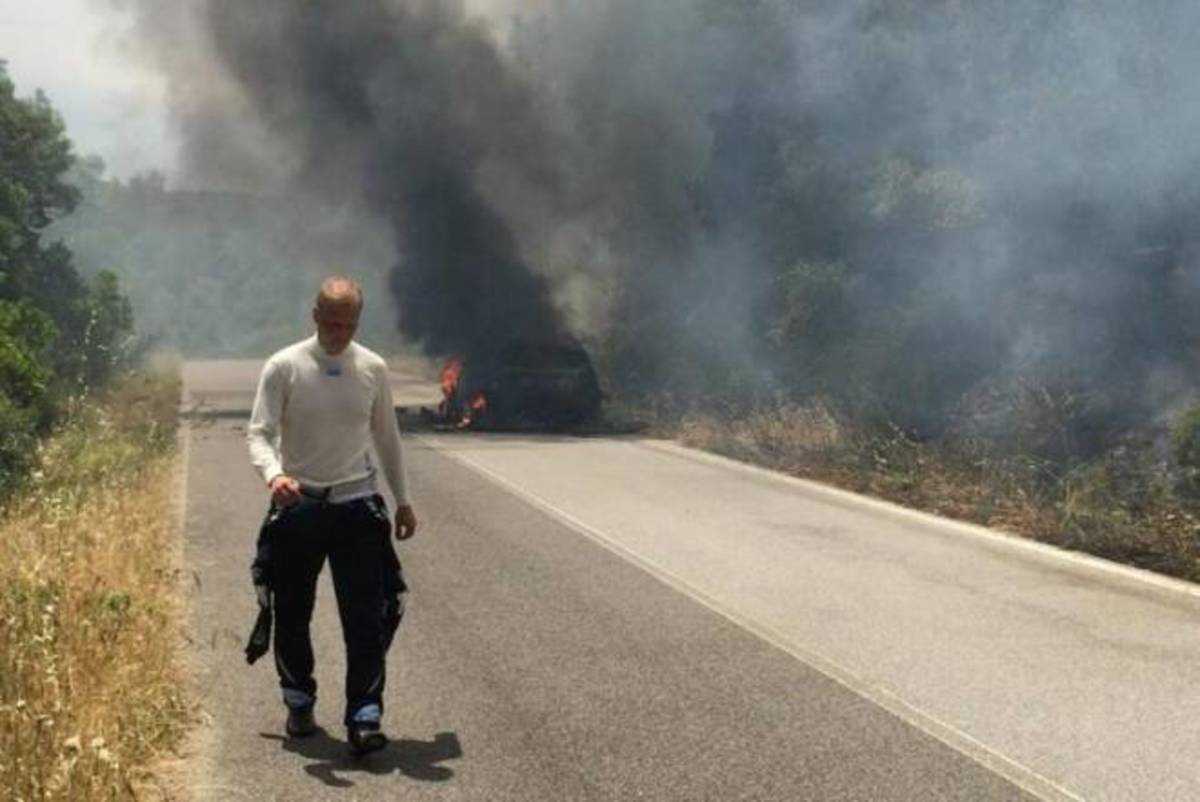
416,759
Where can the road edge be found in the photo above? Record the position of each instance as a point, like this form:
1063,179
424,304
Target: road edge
181,776
998,540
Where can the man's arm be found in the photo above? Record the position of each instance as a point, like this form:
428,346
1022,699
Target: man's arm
386,434
262,433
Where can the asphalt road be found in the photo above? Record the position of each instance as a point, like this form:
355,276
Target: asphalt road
609,618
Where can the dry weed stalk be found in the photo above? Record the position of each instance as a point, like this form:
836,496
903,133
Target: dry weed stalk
90,684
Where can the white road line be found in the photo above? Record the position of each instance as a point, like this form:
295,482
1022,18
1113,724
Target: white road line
1020,775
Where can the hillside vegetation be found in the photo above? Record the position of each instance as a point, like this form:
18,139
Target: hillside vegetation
61,334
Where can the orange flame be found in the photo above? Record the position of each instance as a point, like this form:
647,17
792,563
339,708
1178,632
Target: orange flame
476,408
451,373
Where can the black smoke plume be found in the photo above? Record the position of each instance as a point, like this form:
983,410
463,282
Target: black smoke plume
893,202
397,108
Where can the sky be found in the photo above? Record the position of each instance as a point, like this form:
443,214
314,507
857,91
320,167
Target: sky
113,108
71,49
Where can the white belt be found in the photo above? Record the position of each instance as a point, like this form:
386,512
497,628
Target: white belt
340,492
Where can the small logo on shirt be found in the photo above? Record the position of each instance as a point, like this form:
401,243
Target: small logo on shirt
333,370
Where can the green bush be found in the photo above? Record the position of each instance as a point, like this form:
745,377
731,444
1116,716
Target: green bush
61,336
1185,443
1185,438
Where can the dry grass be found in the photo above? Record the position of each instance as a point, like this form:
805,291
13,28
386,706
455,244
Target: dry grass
1118,507
90,682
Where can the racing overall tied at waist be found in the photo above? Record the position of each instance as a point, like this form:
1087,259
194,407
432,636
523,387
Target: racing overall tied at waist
355,496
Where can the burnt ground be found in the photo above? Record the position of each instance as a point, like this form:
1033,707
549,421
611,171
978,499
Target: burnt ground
426,419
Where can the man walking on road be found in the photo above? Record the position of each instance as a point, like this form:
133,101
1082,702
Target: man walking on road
320,404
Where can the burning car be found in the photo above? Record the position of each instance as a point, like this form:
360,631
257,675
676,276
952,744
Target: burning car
524,382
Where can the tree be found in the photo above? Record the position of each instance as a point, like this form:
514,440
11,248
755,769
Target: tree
58,332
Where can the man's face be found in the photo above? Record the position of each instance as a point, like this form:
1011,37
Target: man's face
336,324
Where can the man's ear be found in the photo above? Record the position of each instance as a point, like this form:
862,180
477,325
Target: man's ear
316,315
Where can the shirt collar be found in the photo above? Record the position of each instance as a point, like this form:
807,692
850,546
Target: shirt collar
314,347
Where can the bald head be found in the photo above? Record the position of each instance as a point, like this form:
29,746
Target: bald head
338,305
339,291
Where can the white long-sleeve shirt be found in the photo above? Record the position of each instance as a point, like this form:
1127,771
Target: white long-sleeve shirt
316,414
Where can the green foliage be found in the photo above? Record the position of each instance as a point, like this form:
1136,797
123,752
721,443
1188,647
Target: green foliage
1185,437
102,342
60,335
107,437
17,444
25,334
806,297
34,154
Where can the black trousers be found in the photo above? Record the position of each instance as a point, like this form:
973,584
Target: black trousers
354,536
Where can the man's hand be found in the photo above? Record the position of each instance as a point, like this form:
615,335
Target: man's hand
406,522
285,491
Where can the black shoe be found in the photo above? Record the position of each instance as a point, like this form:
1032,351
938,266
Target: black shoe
300,722
365,738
